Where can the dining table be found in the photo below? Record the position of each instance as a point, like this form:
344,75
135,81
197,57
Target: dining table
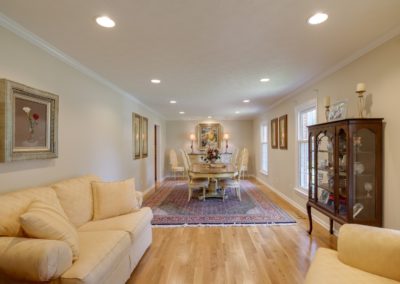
213,172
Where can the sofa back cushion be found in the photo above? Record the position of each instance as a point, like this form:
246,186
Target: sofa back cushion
76,198
112,199
14,204
43,221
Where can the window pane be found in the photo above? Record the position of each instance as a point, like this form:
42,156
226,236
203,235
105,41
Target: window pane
303,164
264,157
264,134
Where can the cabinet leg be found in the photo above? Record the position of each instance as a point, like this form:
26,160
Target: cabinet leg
331,226
309,218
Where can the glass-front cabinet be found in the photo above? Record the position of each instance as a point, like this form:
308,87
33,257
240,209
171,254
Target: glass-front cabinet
345,177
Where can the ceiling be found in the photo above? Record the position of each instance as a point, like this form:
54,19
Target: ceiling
208,54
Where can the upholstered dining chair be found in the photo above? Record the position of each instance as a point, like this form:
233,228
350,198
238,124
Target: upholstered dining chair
173,161
244,157
201,183
232,183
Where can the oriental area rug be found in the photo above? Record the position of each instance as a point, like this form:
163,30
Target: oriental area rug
171,208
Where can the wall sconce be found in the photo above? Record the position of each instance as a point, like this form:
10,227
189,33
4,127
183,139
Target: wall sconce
226,137
192,138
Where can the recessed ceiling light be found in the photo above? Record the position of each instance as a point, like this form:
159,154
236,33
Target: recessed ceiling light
209,116
237,112
264,80
246,101
105,21
181,112
172,102
155,81
318,18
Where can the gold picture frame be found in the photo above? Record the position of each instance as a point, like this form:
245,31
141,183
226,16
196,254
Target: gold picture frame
209,135
28,123
283,132
274,133
144,137
136,138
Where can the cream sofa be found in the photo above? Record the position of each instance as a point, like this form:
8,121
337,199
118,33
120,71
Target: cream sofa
109,249
365,255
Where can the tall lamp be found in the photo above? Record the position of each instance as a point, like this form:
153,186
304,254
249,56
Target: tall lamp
192,138
226,137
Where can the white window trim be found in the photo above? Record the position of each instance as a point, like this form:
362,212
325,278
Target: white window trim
309,104
262,171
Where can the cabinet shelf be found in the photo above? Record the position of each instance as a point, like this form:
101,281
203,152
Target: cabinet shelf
337,190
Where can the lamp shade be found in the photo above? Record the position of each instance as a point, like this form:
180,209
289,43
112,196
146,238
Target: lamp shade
192,137
226,136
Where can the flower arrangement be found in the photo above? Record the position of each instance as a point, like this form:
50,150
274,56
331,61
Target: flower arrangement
212,154
32,119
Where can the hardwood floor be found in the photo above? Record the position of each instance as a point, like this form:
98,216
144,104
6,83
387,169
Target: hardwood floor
253,254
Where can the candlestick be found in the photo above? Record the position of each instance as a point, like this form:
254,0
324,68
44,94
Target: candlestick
192,138
327,101
327,112
226,137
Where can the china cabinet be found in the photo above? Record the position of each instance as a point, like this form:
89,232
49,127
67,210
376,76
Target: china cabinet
345,171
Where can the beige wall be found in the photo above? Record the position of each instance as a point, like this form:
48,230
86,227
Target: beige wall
240,132
380,70
94,122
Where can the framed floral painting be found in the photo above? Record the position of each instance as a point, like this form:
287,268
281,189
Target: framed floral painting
283,132
274,133
136,130
28,123
209,135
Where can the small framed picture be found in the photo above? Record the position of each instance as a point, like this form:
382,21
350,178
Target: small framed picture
136,130
283,132
144,134
28,123
274,133
324,196
338,111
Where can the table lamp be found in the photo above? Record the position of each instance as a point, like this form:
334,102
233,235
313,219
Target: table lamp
226,137
192,138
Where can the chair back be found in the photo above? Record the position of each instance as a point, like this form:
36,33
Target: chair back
184,159
234,158
188,159
173,160
245,158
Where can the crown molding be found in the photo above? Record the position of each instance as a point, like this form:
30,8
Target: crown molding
25,34
348,60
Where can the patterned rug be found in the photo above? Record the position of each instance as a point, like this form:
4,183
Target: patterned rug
170,207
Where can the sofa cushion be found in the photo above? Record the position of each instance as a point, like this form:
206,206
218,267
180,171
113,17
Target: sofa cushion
328,269
33,259
100,254
132,223
111,199
42,221
76,198
13,204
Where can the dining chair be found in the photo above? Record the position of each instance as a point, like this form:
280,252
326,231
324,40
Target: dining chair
234,157
244,157
201,183
232,183
173,160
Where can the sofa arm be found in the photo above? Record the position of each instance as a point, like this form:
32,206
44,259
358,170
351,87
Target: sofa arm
371,249
139,198
34,259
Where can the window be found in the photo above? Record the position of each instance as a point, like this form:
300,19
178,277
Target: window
264,148
306,115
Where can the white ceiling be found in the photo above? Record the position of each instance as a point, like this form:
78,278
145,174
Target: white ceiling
209,54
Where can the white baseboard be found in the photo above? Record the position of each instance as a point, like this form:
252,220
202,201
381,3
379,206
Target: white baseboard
294,204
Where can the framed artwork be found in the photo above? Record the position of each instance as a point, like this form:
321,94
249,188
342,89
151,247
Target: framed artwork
209,136
136,130
28,123
144,135
274,133
338,111
283,132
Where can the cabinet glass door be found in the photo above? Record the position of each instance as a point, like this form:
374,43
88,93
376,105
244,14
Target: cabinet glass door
326,171
342,177
312,169
364,161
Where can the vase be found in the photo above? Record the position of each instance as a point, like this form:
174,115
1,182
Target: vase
212,161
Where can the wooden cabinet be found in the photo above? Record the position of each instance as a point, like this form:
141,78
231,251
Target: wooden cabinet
345,171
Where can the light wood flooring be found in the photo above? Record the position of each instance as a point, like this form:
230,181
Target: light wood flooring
254,254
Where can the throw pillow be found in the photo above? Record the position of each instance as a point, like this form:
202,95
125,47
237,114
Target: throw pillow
111,199
43,221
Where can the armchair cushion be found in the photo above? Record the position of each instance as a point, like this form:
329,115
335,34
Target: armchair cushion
44,222
371,249
34,259
111,199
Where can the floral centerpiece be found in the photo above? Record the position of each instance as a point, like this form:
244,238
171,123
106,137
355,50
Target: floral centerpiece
212,154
